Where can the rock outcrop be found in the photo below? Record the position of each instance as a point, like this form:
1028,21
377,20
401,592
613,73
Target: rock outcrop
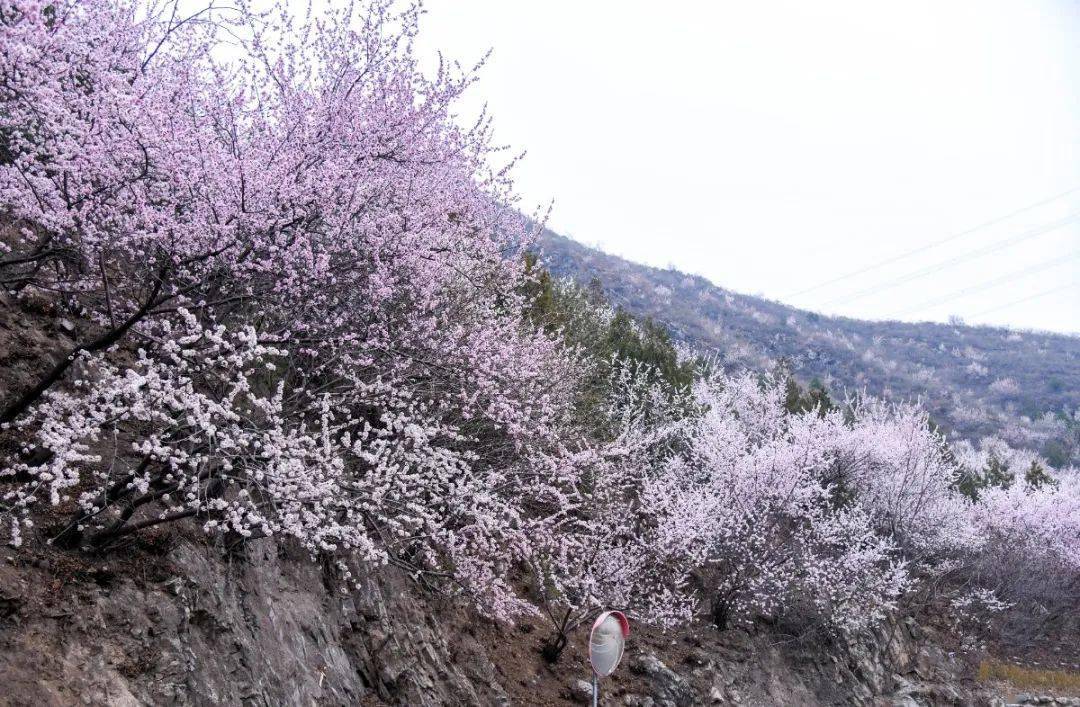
262,630
198,626
889,667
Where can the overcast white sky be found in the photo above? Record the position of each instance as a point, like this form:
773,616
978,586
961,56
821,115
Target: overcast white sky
773,146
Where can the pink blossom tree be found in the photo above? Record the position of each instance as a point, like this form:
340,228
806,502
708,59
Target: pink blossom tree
313,201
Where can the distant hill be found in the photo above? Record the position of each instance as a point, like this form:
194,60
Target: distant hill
1022,386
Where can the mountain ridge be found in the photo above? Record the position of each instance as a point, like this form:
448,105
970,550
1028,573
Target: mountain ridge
976,381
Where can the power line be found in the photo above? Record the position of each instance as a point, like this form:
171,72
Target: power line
1037,295
935,244
938,267
1004,279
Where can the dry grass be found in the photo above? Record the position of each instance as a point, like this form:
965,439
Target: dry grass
1035,679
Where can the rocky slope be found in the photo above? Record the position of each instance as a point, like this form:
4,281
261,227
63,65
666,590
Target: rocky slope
173,621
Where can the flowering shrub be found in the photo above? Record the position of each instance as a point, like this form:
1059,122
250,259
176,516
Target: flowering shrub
751,505
608,551
1029,559
902,473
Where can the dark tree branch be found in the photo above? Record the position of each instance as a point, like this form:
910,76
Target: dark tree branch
30,396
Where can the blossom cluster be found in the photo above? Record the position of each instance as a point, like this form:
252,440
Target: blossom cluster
722,500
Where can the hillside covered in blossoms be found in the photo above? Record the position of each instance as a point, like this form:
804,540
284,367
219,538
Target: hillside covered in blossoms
265,298
976,382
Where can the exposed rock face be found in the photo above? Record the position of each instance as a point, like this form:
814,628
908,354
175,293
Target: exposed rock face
888,668
271,629
266,630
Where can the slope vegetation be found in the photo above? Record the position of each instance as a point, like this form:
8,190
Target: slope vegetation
1022,386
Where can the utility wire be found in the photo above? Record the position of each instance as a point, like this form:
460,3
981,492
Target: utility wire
938,267
1037,295
1004,279
935,244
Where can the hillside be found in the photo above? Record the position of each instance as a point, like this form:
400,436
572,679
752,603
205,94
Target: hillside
287,417
1022,386
175,617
